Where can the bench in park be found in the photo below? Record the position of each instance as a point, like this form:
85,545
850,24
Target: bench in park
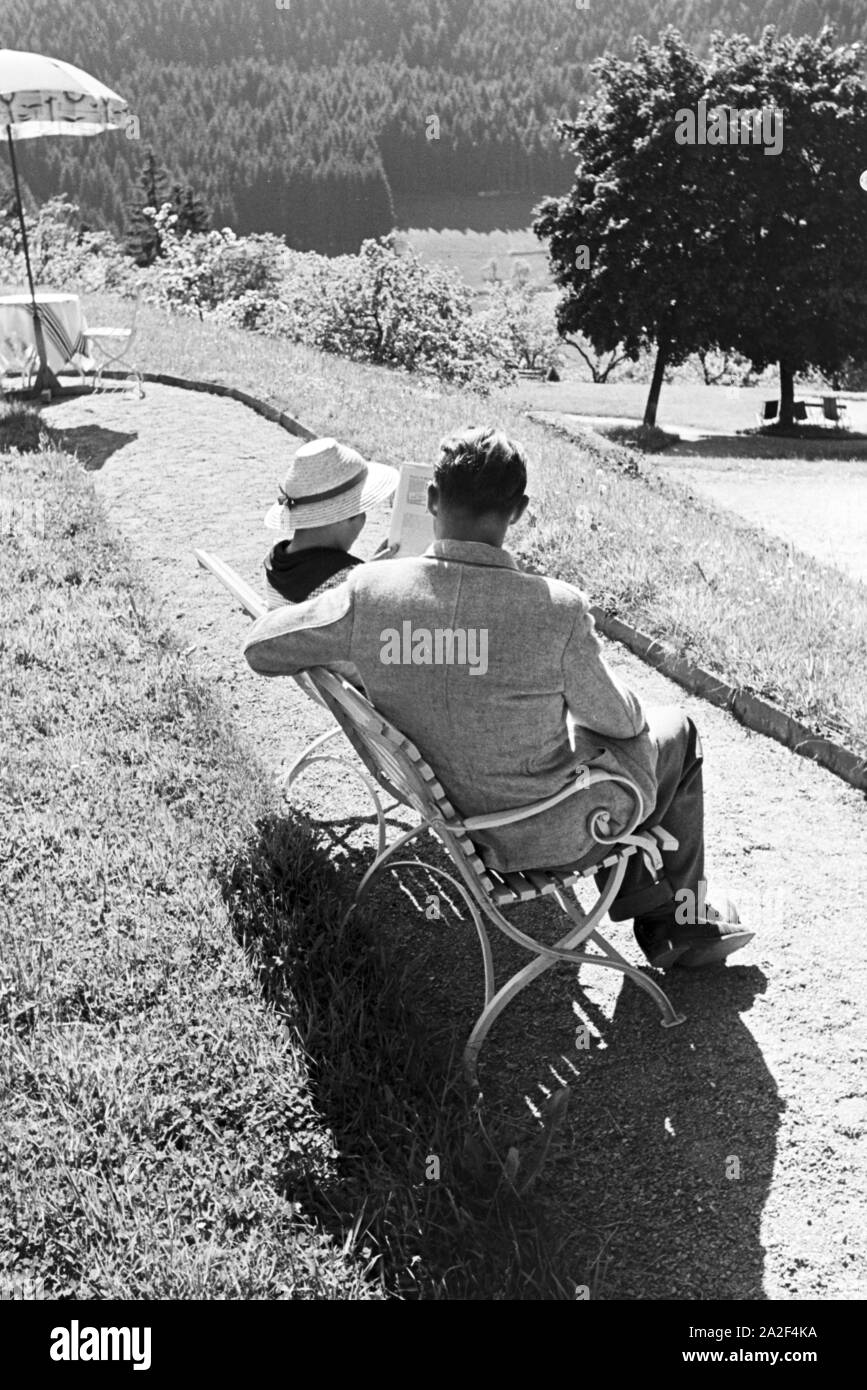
829,407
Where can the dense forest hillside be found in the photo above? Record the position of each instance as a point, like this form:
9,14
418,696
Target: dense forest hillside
303,116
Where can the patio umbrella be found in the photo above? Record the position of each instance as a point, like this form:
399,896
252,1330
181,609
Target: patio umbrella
43,96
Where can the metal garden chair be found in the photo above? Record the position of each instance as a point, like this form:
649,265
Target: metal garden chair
392,764
112,347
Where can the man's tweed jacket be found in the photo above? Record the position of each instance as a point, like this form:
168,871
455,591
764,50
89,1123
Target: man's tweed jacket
497,737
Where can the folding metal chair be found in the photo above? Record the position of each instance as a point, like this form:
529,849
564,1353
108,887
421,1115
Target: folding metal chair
391,763
394,763
113,345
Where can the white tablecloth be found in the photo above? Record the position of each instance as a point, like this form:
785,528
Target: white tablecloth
63,328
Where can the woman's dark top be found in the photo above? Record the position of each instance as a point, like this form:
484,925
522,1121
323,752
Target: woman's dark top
293,576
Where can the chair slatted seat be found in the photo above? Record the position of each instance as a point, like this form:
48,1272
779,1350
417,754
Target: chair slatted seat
391,762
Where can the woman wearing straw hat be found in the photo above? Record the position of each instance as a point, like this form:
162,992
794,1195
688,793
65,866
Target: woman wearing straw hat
323,502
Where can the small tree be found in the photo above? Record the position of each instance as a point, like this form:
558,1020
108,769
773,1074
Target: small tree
143,239
600,369
520,328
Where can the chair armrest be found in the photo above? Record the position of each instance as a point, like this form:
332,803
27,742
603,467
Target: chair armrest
246,595
585,777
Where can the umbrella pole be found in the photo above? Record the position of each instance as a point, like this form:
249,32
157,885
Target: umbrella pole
45,378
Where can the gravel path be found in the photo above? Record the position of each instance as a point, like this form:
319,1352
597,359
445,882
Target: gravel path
723,1159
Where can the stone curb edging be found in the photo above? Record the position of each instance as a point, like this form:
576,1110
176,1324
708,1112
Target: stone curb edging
216,388
749,710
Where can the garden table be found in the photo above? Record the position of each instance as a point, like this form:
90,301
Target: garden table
63,332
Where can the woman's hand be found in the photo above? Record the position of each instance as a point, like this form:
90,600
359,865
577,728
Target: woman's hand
384,551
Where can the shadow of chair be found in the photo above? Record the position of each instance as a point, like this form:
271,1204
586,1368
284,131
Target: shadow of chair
656,1180
662,1178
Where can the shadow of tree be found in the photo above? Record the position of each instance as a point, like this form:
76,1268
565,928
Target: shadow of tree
839,444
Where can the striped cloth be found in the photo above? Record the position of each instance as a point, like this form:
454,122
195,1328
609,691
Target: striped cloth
63,328
55,332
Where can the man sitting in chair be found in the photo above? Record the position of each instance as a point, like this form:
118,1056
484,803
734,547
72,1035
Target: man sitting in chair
497,676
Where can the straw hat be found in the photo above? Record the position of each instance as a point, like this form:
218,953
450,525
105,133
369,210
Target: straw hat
328,482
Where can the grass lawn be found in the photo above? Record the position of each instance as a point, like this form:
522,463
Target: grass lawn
153,1111
170,963
723,592
820,509
721,409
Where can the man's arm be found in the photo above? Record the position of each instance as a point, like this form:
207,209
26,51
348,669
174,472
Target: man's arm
598,701
292,639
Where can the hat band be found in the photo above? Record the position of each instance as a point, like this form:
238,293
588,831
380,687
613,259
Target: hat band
290,502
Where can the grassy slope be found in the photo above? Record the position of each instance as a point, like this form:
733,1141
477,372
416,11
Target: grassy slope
152,1109
166,1134
725,593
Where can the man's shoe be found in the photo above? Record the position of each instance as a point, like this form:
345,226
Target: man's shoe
666,942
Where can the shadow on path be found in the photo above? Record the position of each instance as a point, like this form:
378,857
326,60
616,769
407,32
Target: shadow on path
416,1174
756,447
93,444
655,1180
663,1170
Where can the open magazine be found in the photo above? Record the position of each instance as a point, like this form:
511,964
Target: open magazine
411,529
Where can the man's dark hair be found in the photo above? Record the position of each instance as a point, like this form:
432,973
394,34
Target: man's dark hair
481,470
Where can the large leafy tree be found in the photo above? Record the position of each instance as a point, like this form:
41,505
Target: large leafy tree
691,246
799,217
634,243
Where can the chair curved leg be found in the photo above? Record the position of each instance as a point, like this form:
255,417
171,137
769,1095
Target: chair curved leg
547,956
523,977
584,927
379,862
310,756
301,761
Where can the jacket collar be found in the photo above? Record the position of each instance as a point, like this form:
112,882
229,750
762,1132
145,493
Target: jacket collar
472,553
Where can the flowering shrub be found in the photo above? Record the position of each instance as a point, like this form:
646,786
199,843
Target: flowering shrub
63,254
205,271
392,309
384,305
379,306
